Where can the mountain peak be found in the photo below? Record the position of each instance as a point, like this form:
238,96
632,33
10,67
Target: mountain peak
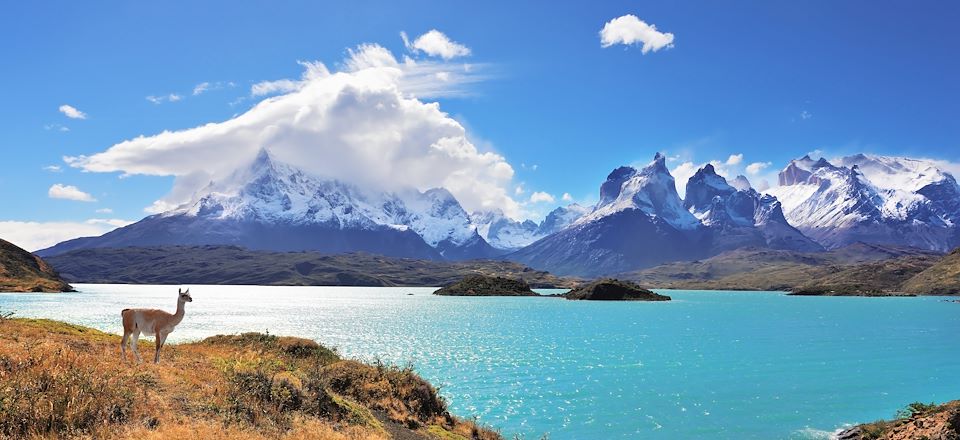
659,162
621,173
610,189
703,187
741,183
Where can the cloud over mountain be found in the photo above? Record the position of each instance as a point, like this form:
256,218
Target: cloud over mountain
365,123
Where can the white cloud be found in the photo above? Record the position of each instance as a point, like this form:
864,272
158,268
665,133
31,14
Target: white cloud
519,190
69,192
72,112
805,115
57,127
361,124
629,30
173,97
114,222
159,206
34,236
567,197
104,211
53,168
681,174
200,88
757,167
540,196
735,159
437,44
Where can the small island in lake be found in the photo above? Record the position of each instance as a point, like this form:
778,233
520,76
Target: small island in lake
482,285
614,290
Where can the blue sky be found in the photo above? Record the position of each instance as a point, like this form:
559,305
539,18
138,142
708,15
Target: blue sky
768,80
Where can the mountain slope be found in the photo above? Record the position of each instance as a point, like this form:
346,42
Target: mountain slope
274,206
874,199
882,267
943,278
21,271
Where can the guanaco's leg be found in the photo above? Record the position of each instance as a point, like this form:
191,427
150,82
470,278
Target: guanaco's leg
133,345
123,345
161,338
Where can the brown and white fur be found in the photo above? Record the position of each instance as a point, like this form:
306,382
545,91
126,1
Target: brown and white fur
151,322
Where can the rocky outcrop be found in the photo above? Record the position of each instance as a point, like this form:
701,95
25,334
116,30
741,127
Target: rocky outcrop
21,271
614,290
917,421
481,285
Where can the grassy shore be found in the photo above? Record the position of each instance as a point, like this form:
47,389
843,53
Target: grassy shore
61,380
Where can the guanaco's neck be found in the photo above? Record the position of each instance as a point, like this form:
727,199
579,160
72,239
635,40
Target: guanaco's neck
177,317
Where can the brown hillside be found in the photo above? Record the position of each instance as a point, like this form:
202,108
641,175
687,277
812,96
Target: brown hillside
21,271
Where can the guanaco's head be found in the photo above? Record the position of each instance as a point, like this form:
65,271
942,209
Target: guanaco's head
185,295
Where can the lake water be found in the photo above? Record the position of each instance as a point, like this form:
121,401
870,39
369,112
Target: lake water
706,365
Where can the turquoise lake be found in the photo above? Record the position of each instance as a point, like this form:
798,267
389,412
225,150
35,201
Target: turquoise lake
706,365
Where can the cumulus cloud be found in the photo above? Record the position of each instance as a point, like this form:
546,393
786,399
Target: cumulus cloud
34,236
436,44
629,30
540,196
69,192
364,124
104,211
53,168
567,197
56,127
72,112
735,159
757,167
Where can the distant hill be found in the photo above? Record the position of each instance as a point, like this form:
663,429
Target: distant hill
21,271
943,278
235,265
859,266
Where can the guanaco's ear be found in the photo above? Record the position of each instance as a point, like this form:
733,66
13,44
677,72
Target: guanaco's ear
188,290
179,290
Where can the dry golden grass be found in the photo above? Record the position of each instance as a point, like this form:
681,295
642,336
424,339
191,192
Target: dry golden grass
64,381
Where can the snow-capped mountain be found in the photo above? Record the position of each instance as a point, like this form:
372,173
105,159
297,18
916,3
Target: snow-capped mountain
739,218
508,234
638,222
503,232
650,190
275,206
873,199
